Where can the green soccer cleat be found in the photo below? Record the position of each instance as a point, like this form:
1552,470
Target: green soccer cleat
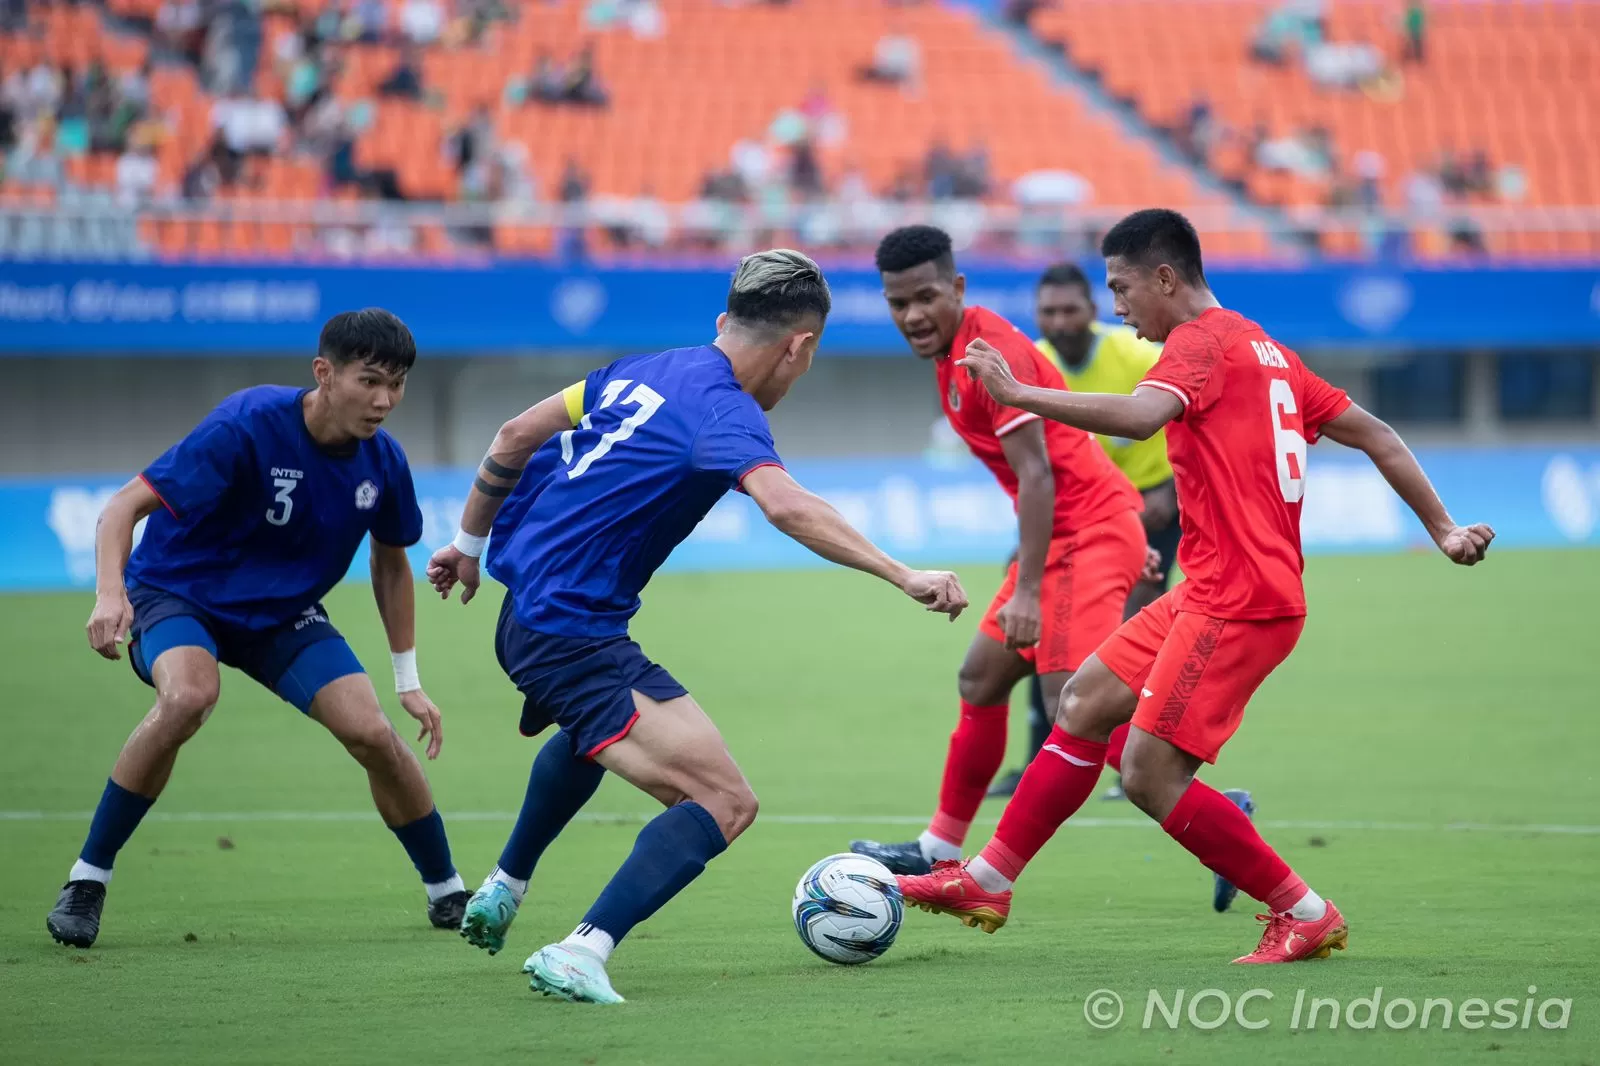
490,912
573,974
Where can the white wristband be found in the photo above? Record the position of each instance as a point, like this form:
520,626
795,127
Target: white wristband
405,670
469,545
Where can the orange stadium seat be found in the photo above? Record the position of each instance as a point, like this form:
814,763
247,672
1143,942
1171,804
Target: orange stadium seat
1506,77
1514,79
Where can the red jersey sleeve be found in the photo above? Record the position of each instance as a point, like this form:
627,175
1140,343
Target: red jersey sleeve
1320,403
1188,367
1022,357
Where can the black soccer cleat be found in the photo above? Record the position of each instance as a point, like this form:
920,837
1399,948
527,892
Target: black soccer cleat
446,912
75,919
1224,891
904,858
1005,785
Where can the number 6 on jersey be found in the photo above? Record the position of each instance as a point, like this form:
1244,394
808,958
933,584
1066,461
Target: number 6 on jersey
1290,445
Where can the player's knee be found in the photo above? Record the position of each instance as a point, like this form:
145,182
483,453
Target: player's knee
734,807
368,738
1138,783
743,806
1070,708
975,685
184,705
1151,785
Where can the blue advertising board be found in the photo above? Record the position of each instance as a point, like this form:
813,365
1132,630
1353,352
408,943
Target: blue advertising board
87,308
930,509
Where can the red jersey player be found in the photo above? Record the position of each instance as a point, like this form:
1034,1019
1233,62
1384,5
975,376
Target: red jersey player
1082,544
1239,411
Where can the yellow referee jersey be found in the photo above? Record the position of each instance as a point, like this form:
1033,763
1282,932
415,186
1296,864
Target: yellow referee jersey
1118,361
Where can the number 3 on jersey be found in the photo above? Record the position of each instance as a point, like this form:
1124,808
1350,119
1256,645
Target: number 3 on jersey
648,401
282,506
1289,444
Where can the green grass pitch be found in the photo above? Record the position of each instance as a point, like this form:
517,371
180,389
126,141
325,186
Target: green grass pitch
1427,758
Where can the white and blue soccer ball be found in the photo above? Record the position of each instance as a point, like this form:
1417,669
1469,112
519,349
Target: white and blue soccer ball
847,908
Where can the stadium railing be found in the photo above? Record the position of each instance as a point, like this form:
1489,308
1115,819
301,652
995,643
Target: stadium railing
246,229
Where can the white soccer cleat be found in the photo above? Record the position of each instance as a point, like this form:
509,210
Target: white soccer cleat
573,974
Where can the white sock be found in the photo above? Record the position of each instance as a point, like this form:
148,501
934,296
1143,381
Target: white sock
989,879
936,848
440,889
518,886
592,939
1309,908
82,871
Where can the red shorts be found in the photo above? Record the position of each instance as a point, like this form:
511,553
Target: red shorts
1087,577
1195,673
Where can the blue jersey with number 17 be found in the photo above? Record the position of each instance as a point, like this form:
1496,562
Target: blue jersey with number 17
658,440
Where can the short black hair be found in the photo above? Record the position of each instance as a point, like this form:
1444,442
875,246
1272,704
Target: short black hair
371,335
778,288
911,246
1066,274
1154,236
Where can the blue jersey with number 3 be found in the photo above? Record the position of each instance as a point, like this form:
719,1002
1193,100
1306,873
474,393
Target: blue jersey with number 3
259,520
662,438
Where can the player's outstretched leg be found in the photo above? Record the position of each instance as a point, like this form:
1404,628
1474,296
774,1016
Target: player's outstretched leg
1056,783
560,783
1299,923
977,748
674,753
186,684
349,708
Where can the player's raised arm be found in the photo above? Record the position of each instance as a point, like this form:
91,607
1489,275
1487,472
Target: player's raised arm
113,543
812,521
1135,417
497,475
1359,429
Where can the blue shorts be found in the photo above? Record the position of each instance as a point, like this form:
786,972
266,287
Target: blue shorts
294,660
583,684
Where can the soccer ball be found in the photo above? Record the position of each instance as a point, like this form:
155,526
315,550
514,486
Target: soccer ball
847,908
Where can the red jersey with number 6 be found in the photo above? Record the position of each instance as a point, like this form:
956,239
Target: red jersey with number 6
1238,455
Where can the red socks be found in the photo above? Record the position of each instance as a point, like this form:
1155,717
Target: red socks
1055,784
1114,745
1222,837
977,748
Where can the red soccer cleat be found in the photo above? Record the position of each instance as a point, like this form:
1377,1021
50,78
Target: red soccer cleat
1288,939
949,889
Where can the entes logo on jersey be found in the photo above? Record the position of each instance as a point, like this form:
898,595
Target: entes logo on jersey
366,495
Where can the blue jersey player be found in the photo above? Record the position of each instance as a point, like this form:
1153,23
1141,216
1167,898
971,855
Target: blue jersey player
598,484
253,517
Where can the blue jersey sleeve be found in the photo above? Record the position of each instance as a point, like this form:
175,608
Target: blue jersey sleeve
192,475
734,440
398,522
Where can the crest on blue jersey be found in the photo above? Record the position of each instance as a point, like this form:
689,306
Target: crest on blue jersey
366,495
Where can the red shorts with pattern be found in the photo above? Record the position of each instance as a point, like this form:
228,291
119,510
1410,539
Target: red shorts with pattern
1087,577
1194,673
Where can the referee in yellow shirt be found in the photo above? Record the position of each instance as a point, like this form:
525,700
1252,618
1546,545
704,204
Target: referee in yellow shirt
1094,357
